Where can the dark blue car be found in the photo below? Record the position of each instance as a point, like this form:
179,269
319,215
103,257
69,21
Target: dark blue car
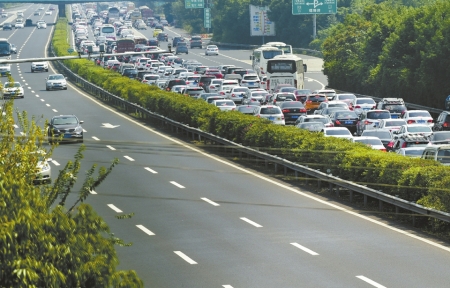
181,48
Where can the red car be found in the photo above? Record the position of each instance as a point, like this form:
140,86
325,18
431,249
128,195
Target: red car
301,94
214,72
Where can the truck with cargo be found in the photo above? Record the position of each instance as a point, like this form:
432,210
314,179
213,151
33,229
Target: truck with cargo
125,45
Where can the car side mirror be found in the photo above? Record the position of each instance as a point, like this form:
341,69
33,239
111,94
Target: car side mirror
81,122
65,78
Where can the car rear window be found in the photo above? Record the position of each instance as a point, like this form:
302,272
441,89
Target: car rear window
365,101
419,114
251,77
292,104
270,110
378,115
338,132
395,123
318,98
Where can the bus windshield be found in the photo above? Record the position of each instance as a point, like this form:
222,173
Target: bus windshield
280,66
271,54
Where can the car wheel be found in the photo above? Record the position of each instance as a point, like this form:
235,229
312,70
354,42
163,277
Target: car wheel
46,88
65,88
46,70
32,71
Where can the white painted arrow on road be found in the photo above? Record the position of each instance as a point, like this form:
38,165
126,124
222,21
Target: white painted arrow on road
107,125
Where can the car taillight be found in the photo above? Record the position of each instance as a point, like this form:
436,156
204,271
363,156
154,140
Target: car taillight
285,110
404,145
446,124
187,82
282,117
303,110
374,106
212,87
144,81
430,121
410,121
357,106
384,150
222,93
232,95
338,122
308,101
367,122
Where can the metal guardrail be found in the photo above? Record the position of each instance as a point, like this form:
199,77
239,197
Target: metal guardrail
408,105
196,133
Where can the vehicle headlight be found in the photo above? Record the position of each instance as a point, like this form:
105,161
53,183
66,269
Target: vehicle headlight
78,129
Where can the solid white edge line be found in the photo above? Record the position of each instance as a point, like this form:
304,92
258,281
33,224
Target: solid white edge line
128,157
304,249
227,286
176,184
251,222
148,232
95,138
261,177
370,281
114,208
110,147
185,257
150,170
210,202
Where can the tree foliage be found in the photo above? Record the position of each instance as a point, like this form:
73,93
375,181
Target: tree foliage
43,242
390,50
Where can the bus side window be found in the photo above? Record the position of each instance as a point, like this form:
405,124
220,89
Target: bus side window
305,68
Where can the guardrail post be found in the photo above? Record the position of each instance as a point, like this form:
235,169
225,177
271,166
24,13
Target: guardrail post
380,205
285,170
396,211
319,184
414,220
365,200
296,175
240,154
276,167
266,163
351,196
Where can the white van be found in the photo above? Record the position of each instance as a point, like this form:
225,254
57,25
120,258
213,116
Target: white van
440,153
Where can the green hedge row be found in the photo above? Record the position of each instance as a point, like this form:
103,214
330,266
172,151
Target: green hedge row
422,181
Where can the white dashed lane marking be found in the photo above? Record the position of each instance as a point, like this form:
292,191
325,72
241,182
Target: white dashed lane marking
114,208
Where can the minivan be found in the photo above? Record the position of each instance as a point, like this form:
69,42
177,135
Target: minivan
440,153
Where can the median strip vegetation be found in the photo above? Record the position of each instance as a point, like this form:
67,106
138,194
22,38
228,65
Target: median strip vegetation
422,181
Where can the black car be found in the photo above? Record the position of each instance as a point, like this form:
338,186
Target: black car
181,48
7,26
153,41
163,36
174,82
176,40
196,41
130,73
66,126
442,122
292,110
344,118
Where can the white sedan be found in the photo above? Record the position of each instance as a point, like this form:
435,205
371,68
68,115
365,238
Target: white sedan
41,24
13,89
48,12
19,25
224,105
211,50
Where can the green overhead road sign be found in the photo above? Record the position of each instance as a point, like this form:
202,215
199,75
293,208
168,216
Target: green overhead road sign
314,7
194,4
207,18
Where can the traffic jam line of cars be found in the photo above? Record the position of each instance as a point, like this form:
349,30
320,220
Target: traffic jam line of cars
232,88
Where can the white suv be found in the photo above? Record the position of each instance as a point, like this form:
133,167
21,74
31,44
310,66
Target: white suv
39,66
250,80
270,112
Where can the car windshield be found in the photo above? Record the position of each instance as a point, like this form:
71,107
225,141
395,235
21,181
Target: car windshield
419,114
379,115
369,141
55,77
251,77
12,84
270,110
292,104
65,121
338,132
181,44
418,129
288,89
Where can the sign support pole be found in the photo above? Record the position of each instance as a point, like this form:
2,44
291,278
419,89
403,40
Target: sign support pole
314,26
